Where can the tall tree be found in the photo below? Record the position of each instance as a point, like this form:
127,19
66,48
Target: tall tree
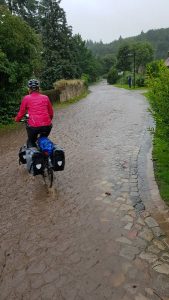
144,54
2,2
57,41
27,9
107,62
19,58
138,53
19,48
82,59
124,58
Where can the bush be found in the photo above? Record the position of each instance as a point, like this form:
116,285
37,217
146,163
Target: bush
19,57
140,81
161,165
158,96
123,78
112,76
153,68
158,80
9,106
86,79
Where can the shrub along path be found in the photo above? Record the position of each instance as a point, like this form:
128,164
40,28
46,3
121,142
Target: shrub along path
89,237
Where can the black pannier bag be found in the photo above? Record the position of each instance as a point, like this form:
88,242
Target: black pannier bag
58,158
22,155
35,161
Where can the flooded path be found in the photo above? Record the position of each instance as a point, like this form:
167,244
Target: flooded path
87,238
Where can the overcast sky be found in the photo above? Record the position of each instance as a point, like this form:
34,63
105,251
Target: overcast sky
106,20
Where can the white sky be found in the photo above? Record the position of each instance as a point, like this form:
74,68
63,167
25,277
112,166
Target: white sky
106,20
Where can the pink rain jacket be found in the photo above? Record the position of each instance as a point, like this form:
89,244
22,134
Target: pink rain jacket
38,107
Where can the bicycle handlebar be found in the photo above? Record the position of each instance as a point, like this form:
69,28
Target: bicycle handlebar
25,119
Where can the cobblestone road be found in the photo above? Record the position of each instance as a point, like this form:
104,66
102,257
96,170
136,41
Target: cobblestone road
88,238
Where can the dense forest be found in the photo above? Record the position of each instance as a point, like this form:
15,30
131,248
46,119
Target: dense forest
158,39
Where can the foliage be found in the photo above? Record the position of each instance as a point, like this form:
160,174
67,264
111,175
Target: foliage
126,87
19,50
158,97
112,76
106,62
140,80
158,39
65,56
86,79
56,43
154,68
18,59
161,165
124,58
27,9
158,81
83,60
99,49
8,107
144,54
92,68
104,76
123,80
134,55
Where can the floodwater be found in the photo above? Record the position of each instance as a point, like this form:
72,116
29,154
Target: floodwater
57,244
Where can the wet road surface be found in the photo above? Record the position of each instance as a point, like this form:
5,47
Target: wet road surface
83,240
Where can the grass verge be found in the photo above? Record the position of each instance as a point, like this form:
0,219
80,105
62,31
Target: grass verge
10,126
160,156
161,166
125,86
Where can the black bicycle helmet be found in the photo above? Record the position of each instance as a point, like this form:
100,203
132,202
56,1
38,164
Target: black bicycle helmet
33,84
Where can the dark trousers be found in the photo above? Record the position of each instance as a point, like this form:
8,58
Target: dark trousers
33,133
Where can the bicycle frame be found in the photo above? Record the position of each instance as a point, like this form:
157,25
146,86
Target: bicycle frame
48,171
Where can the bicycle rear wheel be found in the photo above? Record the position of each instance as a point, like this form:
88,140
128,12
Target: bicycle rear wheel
48,176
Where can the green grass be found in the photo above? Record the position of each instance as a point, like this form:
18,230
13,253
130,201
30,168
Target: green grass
146,94
10,126
161,166
125,86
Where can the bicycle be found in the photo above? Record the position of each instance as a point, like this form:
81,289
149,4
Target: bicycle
48,170
43,166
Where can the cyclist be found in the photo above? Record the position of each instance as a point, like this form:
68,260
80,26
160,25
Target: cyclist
40,111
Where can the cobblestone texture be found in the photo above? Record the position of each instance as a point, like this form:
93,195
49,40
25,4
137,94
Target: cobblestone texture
90,237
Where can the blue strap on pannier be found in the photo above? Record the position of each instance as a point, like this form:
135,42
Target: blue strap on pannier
45,145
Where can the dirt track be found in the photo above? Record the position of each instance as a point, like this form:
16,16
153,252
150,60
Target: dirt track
64,244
